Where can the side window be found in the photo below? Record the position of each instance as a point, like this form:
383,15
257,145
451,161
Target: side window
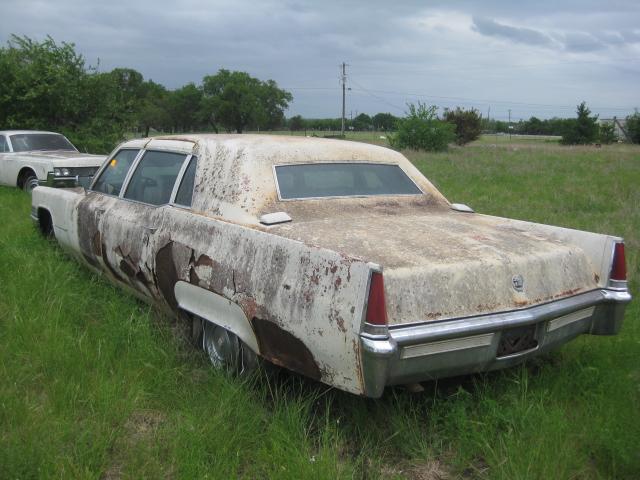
112,177
153,180
3,144
185,191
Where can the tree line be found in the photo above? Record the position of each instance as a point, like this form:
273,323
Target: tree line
48,86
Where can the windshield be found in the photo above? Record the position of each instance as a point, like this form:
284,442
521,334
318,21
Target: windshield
317,180
26,142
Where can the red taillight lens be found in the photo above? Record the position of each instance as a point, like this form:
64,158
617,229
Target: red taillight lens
619,266
376,307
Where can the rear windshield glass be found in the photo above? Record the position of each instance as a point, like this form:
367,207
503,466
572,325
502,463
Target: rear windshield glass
342,180
26,142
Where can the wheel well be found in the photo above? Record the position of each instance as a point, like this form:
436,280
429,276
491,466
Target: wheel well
45,222
24,173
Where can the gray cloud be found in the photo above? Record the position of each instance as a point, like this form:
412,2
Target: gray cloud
528,36
439,51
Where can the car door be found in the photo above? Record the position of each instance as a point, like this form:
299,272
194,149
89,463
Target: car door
132,227
98,200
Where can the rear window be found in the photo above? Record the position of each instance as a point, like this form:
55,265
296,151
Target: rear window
27,142
316,180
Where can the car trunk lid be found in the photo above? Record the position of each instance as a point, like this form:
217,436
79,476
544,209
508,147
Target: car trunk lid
444,264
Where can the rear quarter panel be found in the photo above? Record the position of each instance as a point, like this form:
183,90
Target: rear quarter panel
305,304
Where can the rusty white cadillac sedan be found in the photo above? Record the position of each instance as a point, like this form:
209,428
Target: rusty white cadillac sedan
29,158
334,259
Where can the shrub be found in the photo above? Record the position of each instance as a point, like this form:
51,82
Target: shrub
633,127
468,124
581,130
421,129
607,133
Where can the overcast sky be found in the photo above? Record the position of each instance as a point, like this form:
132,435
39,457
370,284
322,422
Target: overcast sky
536,58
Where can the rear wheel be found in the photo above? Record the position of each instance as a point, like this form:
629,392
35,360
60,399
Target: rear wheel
226,351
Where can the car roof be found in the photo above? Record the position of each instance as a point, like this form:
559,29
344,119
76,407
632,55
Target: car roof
280,148
21,132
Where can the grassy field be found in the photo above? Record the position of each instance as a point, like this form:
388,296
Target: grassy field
94,385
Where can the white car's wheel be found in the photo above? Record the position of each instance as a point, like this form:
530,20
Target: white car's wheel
30,182
226,351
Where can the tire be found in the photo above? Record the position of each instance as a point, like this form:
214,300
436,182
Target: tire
45,224
30,182
226,351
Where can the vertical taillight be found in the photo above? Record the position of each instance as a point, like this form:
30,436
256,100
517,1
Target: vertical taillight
376,307
618,267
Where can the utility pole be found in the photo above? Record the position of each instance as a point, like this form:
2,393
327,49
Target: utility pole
343,79
509,124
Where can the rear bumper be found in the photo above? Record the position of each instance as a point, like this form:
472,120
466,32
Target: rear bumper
418,352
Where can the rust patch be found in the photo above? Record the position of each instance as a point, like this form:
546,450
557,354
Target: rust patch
204,260
193,276
96,244
284,349
107,264
90,260
166,274
126,268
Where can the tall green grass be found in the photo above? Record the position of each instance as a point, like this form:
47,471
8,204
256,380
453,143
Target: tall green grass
94,384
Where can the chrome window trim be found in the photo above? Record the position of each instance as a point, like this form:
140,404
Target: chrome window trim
366,162
6,142
179,178
178,181
8,137
96,175
132,169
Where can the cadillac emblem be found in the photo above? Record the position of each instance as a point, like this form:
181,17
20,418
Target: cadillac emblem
518,283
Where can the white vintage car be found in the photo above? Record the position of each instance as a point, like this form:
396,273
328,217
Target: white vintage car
29,158
338,260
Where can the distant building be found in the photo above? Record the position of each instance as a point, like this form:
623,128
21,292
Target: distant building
619,126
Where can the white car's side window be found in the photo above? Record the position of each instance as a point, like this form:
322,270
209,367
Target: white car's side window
4,147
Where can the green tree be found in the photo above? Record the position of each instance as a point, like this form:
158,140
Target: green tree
362,122
607,133
296,123
41,82
236,100
184,105
384,121
581,130
467,123
274,102
421,129
633,127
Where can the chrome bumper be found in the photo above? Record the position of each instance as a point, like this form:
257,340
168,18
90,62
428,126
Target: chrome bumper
414,353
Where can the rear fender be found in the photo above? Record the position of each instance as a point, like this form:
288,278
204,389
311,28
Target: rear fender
216,309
